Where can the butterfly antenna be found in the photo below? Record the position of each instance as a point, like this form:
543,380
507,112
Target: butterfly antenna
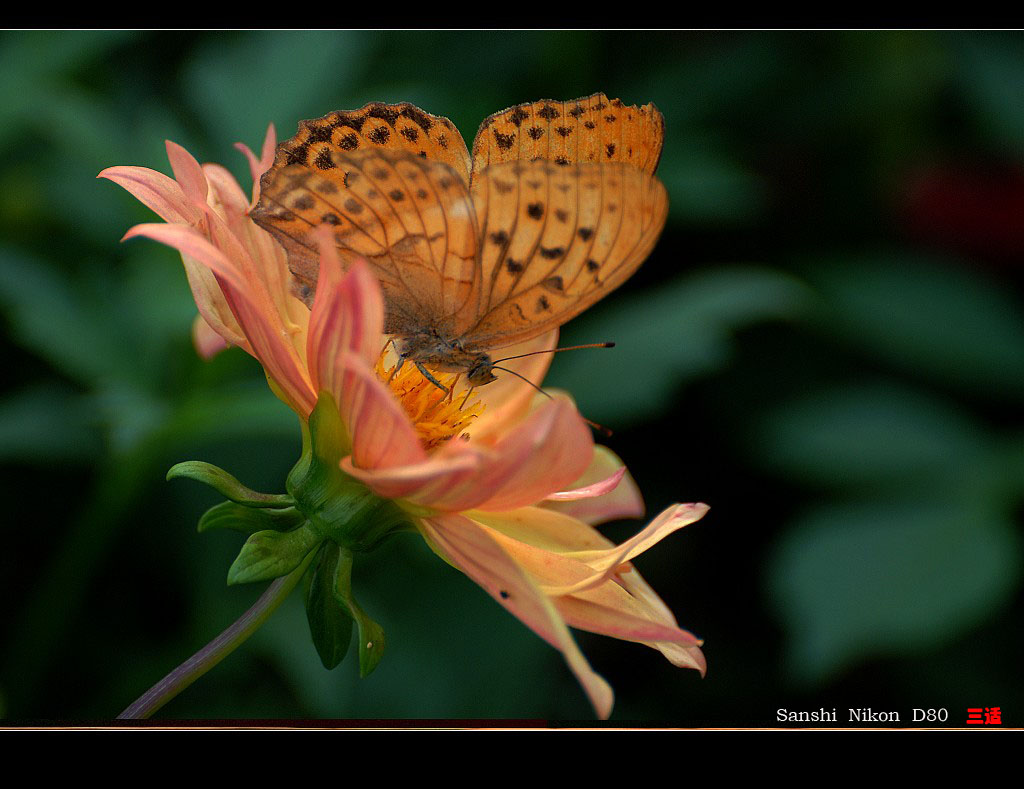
558,350
523,377
599,428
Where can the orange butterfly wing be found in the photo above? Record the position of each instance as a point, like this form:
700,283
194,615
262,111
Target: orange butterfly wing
563,208
410,217
590,129
555,240
316,150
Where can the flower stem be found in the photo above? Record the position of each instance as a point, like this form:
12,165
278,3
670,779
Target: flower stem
218,649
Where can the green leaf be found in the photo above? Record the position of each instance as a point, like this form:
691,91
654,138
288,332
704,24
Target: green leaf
888,578
927,316
664,338
371,635
227,485
330,624
270,554
879,433
248,520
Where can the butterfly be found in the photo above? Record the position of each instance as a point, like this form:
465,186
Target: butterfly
557,206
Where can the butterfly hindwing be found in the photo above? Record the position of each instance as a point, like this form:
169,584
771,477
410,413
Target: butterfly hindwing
410,217
556,240
592,129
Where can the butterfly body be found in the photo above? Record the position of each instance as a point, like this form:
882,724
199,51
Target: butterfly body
556,207
447,355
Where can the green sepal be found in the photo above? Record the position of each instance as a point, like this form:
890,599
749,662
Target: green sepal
248,520
271,554
337,505
371,635
330,624
225,484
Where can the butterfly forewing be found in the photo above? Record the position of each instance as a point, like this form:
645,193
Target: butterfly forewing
410,217
592,129
556,240
376,126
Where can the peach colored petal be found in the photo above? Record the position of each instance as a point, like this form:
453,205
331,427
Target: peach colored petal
599,488
537,457
672,519
641,591
615,622
347,315
187,172
382,435
573,571
225,191
190,242
508,399
545,529
259,166
208,343
212,305
625,501
157,192
259,326
470,548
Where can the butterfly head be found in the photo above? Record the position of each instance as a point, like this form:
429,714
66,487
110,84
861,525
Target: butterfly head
481,371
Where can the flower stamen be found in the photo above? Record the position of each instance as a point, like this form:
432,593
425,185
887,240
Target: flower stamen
436,415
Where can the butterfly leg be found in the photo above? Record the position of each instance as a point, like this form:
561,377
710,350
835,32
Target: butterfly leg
429,377
451,391
398,366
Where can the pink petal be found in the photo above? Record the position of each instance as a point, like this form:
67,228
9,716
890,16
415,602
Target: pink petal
670,520
599,488
546,529
625,501
615,622
259,166
508,399
208,343
644,595
259,324
540,455
190,242
226,189
347,314
469,548
159,193
188,173
382,435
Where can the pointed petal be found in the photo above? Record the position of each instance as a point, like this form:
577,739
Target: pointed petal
157,192
540,455
599,488
670,520
347,315
382,435
625,501
508,399
188,173
208,343
259,166
472,550
260,326
618,623
192,243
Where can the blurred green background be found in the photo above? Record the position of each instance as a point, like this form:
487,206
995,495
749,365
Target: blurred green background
827,346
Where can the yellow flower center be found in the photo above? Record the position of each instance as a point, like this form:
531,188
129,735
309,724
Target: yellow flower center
436,415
